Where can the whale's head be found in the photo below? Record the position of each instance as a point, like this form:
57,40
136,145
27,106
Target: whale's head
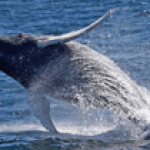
15,57
22,58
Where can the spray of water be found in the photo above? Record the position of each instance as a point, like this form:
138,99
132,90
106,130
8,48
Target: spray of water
91,81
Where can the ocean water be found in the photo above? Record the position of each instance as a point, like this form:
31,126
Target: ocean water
124,38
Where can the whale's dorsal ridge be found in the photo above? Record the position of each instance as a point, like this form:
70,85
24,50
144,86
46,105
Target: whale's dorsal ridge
43,41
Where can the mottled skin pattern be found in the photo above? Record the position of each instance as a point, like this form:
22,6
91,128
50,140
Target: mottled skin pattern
71,72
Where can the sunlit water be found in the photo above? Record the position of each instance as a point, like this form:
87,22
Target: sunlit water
124,38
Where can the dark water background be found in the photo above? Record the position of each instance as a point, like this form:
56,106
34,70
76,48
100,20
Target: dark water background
123,38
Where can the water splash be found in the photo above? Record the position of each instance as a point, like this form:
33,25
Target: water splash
91,80
21,127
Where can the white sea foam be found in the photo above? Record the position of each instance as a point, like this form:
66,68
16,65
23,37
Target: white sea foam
21,127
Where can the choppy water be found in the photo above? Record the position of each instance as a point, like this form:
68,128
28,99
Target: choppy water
123,38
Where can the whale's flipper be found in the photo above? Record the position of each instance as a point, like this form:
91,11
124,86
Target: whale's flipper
40,106
48,40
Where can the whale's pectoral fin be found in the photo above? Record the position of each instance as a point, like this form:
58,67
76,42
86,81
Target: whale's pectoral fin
40,106
43,41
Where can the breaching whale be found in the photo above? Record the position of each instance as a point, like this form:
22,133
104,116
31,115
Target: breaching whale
67,70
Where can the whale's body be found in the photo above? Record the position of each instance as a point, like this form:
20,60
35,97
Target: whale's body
67,71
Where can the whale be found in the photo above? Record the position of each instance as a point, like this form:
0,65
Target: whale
61,68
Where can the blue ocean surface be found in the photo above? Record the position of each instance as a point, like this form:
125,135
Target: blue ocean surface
124,38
